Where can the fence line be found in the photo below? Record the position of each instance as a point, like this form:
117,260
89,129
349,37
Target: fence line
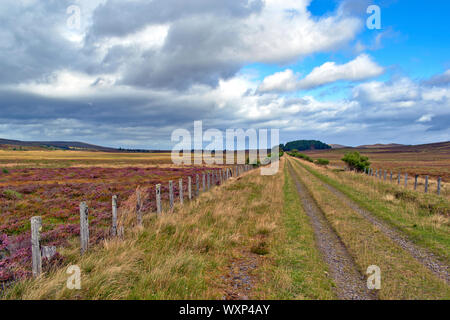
215,177
379,173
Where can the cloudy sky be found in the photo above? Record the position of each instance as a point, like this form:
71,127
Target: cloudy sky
126,73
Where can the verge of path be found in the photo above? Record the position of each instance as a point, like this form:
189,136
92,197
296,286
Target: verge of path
428,259
350,284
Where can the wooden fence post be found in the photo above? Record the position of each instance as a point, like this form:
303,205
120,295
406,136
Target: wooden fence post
139,207
385,175
406,180
158,199
114,216
426,184
391,175
398,182
36,224
208,179
415,181
190,188
171,194
204,182
197,185
48,252
84,227
439,186
181,191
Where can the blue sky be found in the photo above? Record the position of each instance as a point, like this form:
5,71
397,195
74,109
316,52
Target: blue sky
133,71
415,40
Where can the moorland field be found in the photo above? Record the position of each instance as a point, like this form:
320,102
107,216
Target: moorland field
240,240
429,159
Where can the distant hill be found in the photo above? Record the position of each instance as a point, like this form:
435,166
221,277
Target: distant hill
62,145
380,146
302,145
435,148
338,146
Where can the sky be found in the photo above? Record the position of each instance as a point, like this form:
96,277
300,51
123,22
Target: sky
127,73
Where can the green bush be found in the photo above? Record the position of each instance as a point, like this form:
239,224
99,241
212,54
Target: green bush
355,161
12,195
5,170
322,162
303,156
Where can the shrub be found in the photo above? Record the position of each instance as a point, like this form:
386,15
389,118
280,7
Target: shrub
322,162
297,154
12,195
355,161
5,170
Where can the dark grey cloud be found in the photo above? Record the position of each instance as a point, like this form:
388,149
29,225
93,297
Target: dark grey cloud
118,17
439,79
192,53
134,94
30,46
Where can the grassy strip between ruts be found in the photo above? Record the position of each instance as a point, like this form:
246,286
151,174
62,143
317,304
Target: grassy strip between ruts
402,276
298,271
419,216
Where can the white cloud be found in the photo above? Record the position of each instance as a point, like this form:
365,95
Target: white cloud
425,118
280,81
400,91
361,68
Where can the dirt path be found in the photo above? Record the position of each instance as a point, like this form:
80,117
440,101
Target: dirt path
350,284
239,280
428,259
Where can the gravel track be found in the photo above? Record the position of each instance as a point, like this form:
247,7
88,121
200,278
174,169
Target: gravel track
428,259
350,284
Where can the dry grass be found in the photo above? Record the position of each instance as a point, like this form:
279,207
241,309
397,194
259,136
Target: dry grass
179,255
425,218
402,276
297,270
432,159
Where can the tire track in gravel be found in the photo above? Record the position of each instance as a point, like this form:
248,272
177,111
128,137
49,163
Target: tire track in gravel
422,255
350,284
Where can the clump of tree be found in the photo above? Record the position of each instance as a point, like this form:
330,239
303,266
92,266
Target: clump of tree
301,145
299,155
322,162
355,161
